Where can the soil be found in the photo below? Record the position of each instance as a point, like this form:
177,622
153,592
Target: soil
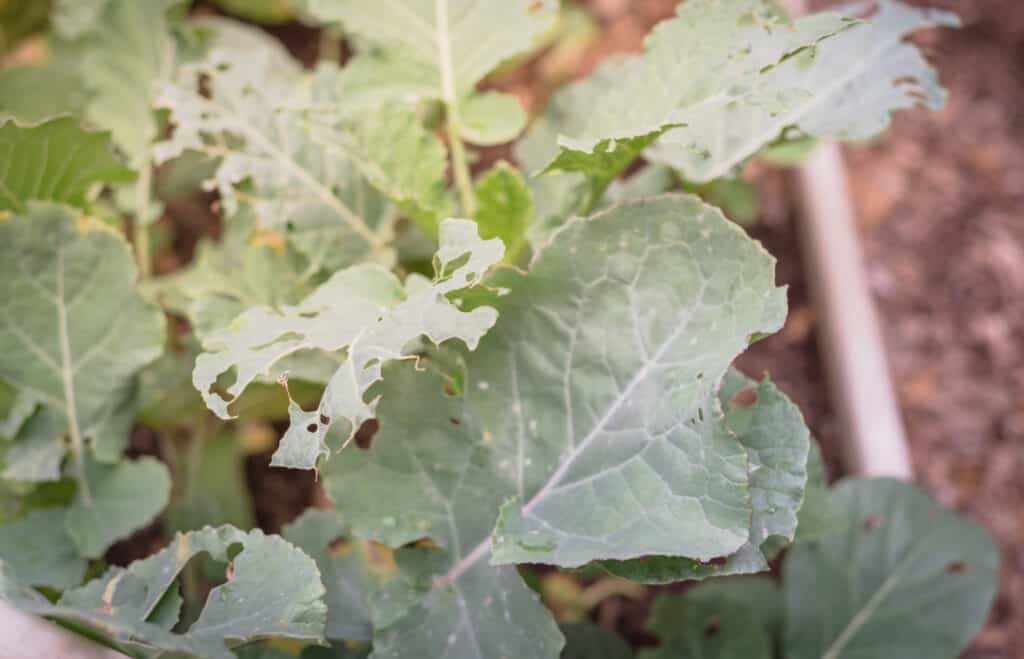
940,202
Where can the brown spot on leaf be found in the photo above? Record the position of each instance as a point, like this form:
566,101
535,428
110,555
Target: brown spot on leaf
744,397
871,522
956,567
712,626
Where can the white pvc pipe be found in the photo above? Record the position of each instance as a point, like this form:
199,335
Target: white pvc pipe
25,636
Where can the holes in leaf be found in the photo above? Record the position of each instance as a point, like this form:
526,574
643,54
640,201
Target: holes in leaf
956,567
312,427
712,627
718,561
744,398
365,433
871,522
324,419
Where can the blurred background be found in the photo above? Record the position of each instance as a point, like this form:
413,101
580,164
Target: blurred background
940,208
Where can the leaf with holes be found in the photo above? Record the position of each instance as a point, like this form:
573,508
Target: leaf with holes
363,310
845,87
595,392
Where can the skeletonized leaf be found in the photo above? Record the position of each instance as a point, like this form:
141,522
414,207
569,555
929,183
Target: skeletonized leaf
364,310
595,392
228,106
714,53
772,431
56,160
726,619
40,553
845,87
900,577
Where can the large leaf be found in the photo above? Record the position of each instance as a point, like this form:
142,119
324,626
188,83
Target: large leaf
364,310
727,619
900,577
440,50
273,590
595,392
56,160
228,106
846,87
713,54
772,430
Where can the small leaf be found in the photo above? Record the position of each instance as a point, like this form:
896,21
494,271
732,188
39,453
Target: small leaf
504,208
56,160
901,577
122,498
38,550
491,118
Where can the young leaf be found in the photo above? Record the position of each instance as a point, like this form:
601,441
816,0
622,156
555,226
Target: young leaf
900,577
227,106
363,309
712,54
727,619
772,431
504,208
38,550
845,87
594,392
73,330
56,160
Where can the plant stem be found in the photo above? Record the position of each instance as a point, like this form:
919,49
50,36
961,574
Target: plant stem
460,165
141,232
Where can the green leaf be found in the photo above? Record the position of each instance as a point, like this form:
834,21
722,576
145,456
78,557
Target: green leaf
727,619
38,550
713,54
594,392
364,310
346,569
491,118
902,577
230,105
31,94
122,498
38,449
816,515
74,332
585,640
56,160
772,431
124,52
273,590
504,208
846,87
15,407
443,42
271,12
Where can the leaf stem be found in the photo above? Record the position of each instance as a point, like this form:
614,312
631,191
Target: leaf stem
70,408
143,186
460,165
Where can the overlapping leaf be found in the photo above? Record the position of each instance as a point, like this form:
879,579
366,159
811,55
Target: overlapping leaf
713,54
845,87
591,404
56,160
273,590
367,312
429,50
899,576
